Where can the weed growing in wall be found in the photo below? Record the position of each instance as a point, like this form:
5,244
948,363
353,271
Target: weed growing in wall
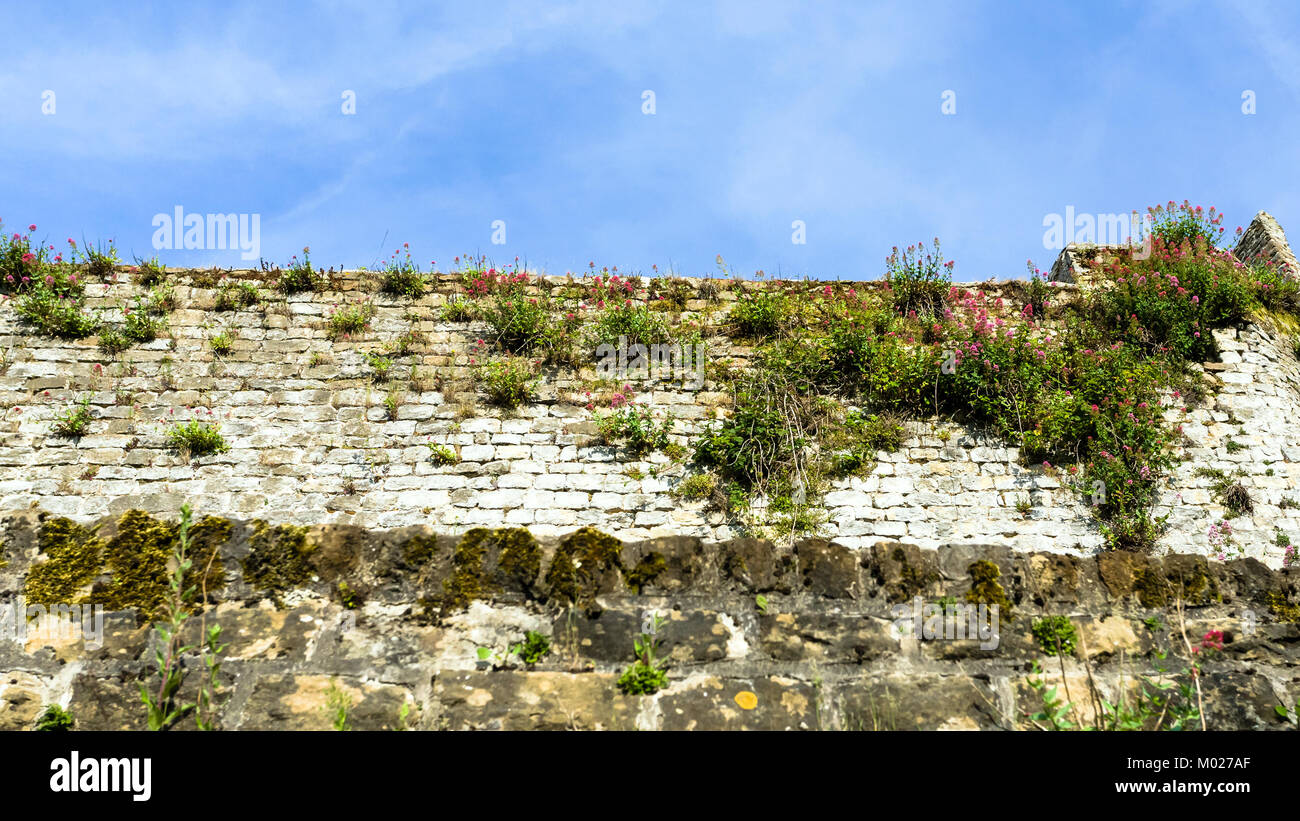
400,275
346,321
74,422
196,438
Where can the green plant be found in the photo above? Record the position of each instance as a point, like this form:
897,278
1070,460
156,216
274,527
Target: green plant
112,341
533,648
918,280
232,296
760,601
1228,492
507,381
635,427
57,310
1054,709
342,322
401,277
140,325
629,323
149,272
74,421
338,703
299,276
221,343
1055,634
380,367
347,596
100,260
762,314
54,719
696,486
163,705
646,676
196,438
392,402
458,310
442,455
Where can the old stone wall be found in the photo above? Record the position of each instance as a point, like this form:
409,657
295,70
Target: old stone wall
384,604
314,439
755,635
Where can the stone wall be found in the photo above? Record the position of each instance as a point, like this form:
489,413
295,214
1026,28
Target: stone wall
313,442
756,635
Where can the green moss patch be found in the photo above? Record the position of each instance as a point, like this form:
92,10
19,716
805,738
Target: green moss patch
492,561
580,560
73,557
137,559
646,571
987,590
278,560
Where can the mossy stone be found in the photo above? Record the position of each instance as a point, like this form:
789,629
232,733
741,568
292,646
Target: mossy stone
987,590
73,558
278,560
581,560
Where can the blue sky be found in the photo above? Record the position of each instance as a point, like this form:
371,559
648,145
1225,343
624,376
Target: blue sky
531,113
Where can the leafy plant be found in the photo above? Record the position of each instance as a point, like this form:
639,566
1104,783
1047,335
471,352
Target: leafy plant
918,279
163,704
347,320
636,428
140,325
54,719
74,421
1055,634
507,381
442,455
232,296
112,341
149,272
221,343
401,276
646,676
196,438
533,648
380,367
1054,708
338,703
299,276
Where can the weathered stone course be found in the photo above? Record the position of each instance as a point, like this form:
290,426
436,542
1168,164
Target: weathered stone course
821,649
